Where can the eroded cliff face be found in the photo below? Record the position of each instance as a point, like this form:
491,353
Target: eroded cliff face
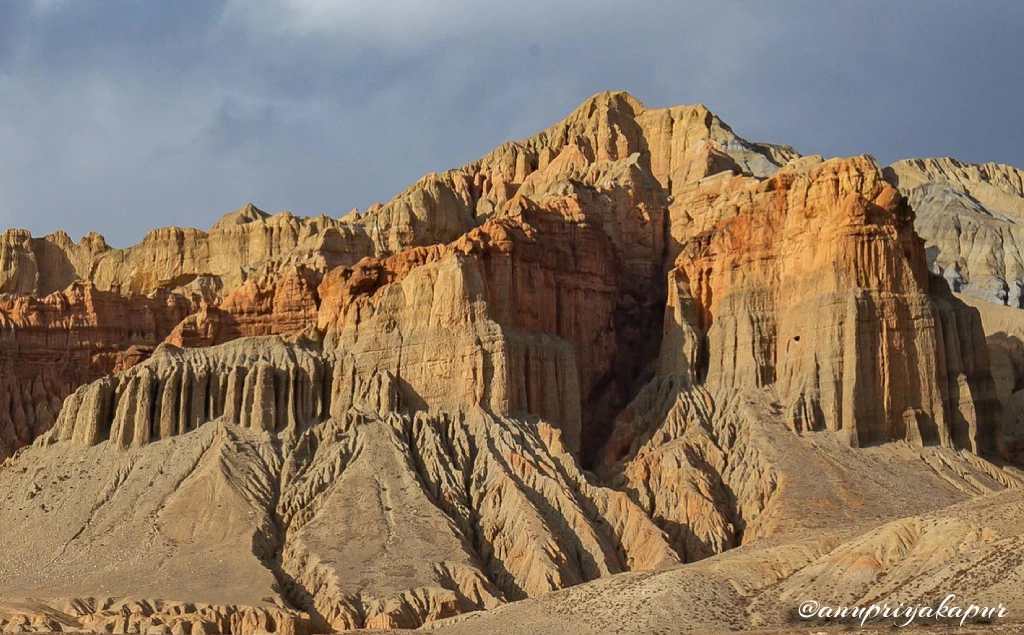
1004,337
74,312
970,216
815,285
548,313
49,346
630,342
369,514
174,258
609,169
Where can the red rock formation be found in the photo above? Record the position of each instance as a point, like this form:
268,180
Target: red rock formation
52,345
268,304
634,290
251,274
604,172
583,268
815,284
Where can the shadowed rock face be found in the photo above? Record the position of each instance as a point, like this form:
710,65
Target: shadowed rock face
630,342
970,216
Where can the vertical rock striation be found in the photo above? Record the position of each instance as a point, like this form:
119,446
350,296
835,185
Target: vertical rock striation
816,285
396,417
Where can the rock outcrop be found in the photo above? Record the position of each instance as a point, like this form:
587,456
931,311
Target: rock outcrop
439,513
609,170
545,315
174,258
971,218
1004,335
897,358
631,342
267,387
76,312
49,346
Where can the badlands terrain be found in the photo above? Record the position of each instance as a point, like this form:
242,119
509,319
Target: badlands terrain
634,374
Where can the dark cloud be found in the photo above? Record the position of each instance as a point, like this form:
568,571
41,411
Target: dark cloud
123,116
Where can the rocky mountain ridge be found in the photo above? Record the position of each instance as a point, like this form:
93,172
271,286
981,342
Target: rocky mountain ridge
632,342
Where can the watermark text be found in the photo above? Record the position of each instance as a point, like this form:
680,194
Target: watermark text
949,610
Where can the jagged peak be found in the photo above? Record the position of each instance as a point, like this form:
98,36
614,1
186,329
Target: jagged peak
618,100
248,213
14,236
945,164
59,238
94,240
622,102
998,187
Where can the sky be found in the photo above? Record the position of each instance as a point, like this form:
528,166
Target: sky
119,116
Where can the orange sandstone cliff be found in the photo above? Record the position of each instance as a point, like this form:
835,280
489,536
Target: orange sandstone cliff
630,343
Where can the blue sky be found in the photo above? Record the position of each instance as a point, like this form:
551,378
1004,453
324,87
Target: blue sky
120,116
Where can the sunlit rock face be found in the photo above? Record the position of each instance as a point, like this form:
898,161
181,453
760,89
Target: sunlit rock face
815,283
631,342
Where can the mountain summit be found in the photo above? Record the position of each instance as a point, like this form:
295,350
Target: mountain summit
691,376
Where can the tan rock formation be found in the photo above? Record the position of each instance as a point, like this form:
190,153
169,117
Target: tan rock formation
371,516
273,388
306,425
832,238
77,310
256,273
173,257
670,143
998,187
544,308
970,216
966,550
1004,334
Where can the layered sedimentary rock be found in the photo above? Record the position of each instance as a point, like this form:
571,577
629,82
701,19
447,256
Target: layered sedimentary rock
373,515
540,308
970,216
607,127
173,257
377,514
268,303
996,186
611,165
75,312
49,346
814,283
630,342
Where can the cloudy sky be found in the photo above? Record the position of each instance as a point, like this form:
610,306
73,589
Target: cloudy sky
119,116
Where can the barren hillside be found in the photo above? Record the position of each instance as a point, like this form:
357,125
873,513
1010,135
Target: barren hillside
633,374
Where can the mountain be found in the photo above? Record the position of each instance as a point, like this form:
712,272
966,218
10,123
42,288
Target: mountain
691,377
970,216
